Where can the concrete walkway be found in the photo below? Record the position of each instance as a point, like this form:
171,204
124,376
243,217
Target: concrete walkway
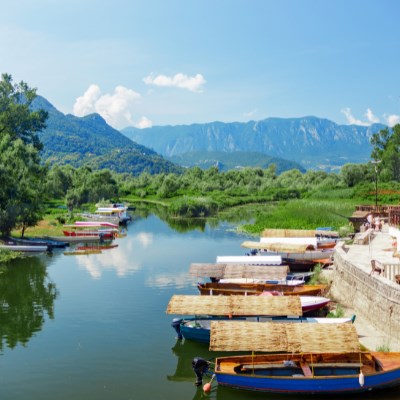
380,248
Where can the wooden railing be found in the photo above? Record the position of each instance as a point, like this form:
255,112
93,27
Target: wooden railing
394,216
391,214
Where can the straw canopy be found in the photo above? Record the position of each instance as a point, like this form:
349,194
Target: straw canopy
234,271
283,337
278,247
287,233
211,270
297,233
235,305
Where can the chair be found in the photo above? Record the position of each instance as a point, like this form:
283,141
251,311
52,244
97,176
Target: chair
376,267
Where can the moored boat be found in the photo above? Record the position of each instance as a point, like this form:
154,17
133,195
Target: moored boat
307,359
229,288
105,230
82,252
98,247
266,259
54,244
24,248
198,328
207,308
118,210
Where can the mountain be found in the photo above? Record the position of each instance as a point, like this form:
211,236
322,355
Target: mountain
91,141
313,142
235,160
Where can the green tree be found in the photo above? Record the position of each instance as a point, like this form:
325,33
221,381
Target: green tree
21,175
16,115
21,182
59,180
386,148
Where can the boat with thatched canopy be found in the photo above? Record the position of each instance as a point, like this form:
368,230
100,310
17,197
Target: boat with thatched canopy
247,273
299,257
249,289
254,308
306,359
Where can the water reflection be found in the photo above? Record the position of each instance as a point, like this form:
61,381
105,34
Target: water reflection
122,259
179,281
26,296
185,351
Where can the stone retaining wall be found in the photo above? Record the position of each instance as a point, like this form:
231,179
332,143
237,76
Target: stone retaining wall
375,298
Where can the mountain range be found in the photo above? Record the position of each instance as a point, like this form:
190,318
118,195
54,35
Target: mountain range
313,142
301,143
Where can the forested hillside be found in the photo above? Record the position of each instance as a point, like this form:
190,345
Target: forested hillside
90,140
236,160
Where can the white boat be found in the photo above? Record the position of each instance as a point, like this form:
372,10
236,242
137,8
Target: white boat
24,248
287,252
115,210
289,282
253,260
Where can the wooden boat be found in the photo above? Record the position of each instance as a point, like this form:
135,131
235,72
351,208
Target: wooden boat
276,274
299,257
98,247
105,230
54,244
319,238
198,328
302,252
218,288
308,359
81,252
74,239
207,308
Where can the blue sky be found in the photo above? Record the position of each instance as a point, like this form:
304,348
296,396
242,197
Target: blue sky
173,62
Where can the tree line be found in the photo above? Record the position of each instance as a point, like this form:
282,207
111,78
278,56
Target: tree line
26,184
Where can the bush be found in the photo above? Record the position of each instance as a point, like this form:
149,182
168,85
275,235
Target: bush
189,207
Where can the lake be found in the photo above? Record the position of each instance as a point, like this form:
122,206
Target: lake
95,326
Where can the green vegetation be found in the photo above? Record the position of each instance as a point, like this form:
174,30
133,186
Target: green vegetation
385,347
21,175
238,159
317,277
7,255
337,313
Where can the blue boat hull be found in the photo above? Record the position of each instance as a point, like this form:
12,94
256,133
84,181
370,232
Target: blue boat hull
310,385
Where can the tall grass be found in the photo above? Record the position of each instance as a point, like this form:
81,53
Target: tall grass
303,214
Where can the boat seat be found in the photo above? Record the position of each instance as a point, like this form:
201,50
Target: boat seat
263,366
337,365
306,369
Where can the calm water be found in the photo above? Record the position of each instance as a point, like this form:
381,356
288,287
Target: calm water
95,327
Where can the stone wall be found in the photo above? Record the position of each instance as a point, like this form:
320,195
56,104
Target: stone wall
373,297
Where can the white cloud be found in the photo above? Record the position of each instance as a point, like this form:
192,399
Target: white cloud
143,123
85,104
115,108
250,113
192,83
392,120
145,239
351,119
371,117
